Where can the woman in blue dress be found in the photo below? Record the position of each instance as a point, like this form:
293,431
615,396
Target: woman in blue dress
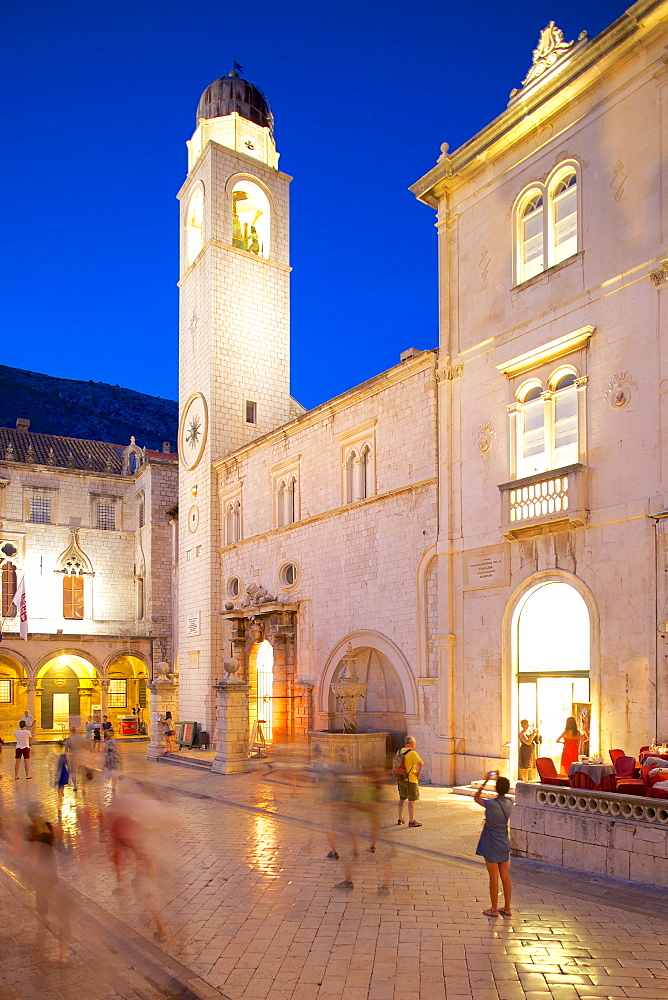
494,843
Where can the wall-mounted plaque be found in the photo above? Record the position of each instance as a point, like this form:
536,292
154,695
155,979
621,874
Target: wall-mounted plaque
487,567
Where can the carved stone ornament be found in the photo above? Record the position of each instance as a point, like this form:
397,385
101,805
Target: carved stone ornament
551,49
660,276
449,373
618,180
485,437
256,629
619,393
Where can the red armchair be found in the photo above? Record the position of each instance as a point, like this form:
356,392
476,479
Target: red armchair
548,773
626,783
614,754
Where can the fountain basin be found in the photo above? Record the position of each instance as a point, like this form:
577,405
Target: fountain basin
357,751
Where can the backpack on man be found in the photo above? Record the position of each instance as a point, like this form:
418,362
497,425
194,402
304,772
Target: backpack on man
399,764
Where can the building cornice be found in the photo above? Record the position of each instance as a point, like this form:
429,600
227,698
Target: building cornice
562,85
393,376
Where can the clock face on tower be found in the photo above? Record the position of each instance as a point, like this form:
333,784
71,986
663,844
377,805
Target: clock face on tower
192,430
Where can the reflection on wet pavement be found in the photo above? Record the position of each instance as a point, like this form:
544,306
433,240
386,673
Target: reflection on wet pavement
240,882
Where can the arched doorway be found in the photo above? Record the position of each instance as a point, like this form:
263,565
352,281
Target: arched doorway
552,643
126,691
261,694
65,688
383,708
13,693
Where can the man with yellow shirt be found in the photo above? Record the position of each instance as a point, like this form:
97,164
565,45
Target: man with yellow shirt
408,787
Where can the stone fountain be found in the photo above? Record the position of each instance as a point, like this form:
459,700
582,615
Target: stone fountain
348,747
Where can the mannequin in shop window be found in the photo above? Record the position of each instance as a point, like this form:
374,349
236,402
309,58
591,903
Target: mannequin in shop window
571,739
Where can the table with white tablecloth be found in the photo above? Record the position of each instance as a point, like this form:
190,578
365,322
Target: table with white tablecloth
594,771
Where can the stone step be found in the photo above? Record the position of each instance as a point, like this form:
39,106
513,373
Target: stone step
177,760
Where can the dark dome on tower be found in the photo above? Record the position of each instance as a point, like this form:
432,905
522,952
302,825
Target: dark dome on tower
231,93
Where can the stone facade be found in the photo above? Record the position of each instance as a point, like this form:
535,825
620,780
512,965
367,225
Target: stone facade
593,120
483,524
105,523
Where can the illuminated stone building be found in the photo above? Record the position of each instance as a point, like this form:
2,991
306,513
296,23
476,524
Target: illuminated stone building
552,378
477,522
86,525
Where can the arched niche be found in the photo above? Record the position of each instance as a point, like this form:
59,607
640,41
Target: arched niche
391,699
251,218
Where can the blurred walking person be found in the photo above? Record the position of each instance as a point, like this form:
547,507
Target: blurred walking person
42,873
112,765
22,737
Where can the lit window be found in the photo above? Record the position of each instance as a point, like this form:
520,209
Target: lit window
5,691
40,510
73,597
251,412
117,695
546,221
106,516
564,218
9,585
531,451
250,218
547,424
565,408
531,248
194,219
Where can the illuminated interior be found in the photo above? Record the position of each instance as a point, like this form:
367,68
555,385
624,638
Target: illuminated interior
265,685
553,642
250,218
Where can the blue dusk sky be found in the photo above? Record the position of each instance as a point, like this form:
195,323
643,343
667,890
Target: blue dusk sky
99,98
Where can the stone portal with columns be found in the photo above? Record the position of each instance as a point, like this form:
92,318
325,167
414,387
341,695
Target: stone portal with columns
272,621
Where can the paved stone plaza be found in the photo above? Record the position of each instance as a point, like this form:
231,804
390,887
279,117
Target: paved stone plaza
252,911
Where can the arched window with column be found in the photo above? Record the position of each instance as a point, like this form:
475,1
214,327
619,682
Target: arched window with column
546,222
548,420
194,224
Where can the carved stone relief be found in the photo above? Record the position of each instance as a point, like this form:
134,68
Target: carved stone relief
660,276
485,437
618,392
483,264
618,180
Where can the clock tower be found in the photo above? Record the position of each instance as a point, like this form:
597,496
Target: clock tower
234,364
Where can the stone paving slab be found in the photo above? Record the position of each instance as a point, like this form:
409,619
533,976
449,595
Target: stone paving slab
251,907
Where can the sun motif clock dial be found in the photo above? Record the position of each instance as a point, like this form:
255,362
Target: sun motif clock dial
193,430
